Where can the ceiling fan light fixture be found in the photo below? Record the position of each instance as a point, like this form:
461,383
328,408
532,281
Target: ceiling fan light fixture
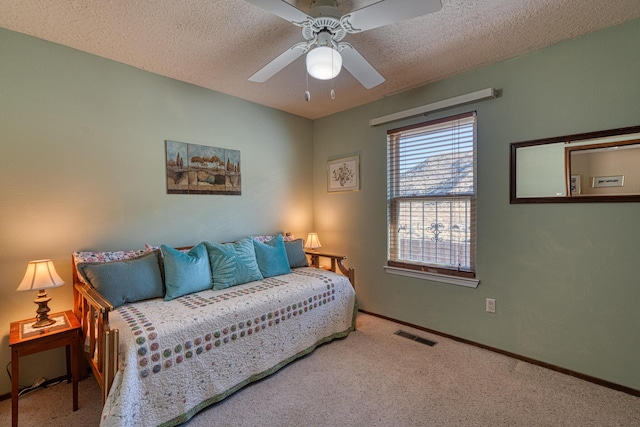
324,62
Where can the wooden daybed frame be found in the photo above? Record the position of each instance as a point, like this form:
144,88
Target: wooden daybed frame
100,342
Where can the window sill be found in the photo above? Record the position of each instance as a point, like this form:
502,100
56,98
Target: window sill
425,275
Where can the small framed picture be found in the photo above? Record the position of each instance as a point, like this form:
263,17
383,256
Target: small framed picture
343,174
575,185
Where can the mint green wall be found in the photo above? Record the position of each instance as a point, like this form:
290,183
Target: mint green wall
564,276
82,167
81,163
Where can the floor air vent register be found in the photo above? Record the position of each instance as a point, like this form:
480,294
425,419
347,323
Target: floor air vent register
415,338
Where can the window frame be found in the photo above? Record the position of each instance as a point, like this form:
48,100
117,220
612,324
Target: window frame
431,270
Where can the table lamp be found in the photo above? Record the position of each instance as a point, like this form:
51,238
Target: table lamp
40,275
312,242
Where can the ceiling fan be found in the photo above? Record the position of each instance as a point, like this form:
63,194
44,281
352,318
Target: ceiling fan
323,30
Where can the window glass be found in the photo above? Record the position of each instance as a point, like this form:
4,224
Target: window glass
431,195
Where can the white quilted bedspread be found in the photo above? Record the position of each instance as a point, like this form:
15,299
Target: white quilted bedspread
181,356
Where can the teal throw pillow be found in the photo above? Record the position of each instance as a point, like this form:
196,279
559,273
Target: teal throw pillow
232,263
125,281
295,253
185,273
272,257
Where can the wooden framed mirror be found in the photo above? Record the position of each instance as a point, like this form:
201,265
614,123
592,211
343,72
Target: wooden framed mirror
599,166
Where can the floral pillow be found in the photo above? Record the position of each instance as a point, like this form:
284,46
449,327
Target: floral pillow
288,237
262,239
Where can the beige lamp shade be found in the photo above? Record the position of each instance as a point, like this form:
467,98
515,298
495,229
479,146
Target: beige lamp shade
312,241
40,274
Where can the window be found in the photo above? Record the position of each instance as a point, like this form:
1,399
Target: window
431,196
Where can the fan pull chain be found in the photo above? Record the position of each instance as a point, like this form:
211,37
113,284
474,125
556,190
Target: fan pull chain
333,92
307,94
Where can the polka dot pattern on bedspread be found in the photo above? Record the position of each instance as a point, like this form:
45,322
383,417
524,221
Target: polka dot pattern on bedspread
152,359
179,356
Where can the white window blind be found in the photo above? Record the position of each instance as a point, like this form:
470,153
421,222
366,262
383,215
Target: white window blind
431,196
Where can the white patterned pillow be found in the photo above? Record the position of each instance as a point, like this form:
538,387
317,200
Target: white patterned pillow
288,237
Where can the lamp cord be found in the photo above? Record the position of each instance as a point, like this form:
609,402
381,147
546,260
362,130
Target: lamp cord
9,372
307,94
22,390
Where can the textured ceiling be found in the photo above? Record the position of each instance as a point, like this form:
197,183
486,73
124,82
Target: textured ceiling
218,44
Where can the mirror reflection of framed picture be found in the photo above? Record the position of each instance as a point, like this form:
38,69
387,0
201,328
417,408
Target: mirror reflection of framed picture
608,181
343,174
575,185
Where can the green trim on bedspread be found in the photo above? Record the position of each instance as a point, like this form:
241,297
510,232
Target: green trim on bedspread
221,396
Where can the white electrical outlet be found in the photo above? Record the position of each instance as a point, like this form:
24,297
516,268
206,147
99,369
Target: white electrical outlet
491,305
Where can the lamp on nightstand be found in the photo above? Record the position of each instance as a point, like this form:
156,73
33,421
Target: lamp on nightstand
312,242
41,275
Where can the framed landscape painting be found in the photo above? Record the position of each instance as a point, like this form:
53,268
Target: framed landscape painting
343,174
200,169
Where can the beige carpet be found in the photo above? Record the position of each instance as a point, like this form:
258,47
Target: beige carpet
376,378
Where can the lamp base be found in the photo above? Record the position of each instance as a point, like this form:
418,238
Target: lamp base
44,322
43,309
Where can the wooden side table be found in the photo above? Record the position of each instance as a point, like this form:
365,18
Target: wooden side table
25,340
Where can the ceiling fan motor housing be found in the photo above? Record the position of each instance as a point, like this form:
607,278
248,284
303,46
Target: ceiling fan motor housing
326,18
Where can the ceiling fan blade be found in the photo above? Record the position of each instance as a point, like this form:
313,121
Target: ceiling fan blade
284,10
387,12
281,61
359,68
